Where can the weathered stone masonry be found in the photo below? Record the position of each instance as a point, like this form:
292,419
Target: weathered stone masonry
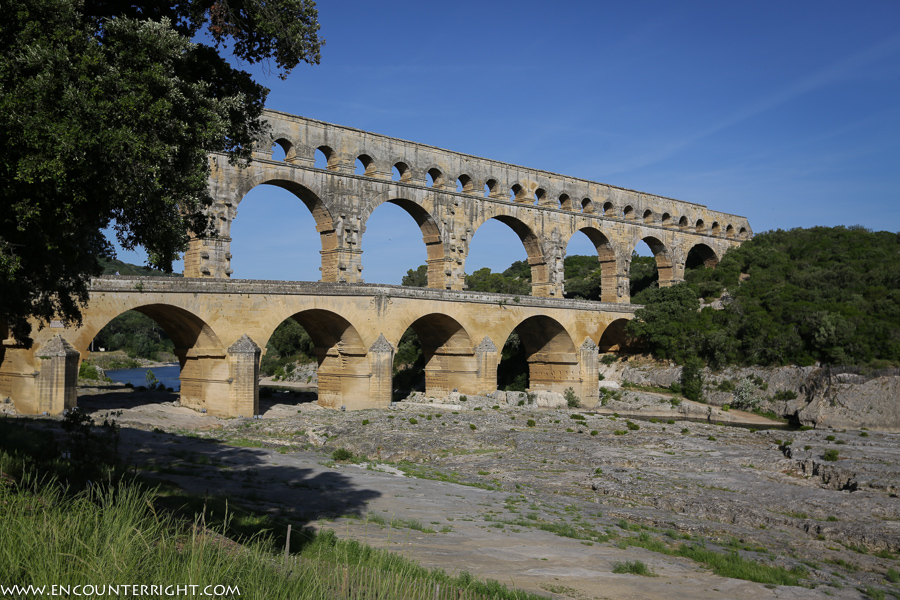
219,325
544,209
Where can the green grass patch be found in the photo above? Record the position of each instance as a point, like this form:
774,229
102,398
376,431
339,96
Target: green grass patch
635,567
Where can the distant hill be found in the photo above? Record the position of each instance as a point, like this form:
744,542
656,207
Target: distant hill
115,266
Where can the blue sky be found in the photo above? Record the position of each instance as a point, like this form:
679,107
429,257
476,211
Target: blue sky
785,112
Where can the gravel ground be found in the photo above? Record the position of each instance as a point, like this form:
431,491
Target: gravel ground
549,500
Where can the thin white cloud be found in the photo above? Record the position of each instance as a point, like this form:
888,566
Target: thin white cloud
818,79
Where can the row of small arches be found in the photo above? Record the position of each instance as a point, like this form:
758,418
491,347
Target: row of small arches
327,158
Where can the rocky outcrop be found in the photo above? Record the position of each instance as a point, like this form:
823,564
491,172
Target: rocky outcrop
824,397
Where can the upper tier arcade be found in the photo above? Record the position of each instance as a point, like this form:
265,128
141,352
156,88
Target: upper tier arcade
450,195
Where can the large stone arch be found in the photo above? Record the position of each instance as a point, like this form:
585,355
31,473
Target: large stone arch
449,355
218,379
541,284
553,359
204,373
610,288
330,234
665,261
614,337
341,354
422,214
701,254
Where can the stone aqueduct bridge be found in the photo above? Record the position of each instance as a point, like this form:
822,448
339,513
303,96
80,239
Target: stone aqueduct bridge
218,325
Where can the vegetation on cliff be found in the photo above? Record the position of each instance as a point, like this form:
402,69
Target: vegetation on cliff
824,294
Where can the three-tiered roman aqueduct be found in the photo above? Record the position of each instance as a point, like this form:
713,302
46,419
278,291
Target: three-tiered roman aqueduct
219,324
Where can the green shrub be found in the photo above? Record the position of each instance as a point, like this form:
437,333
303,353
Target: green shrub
685,431
341,455
530,423
711,438
472,426
365,421
577,416
88,371
670,422
726,385
863,434
598,471
619,432
892,575
633,568
692,379
154,384
608,359
594,432
785,395
830,438
572,401
413,421
744,395
632,426
831,455
463,398
873,593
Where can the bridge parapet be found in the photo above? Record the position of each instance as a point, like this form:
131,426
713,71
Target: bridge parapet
179,285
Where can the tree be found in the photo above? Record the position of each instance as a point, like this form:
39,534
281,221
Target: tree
483,280
108,112
669,322
417,278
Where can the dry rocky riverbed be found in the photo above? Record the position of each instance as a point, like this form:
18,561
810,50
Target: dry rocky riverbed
550,507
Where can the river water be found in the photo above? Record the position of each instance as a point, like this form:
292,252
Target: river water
168,375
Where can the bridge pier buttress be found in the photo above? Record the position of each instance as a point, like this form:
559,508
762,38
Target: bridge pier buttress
487,358
243,362
40,380
205,380
381,366
553,372
344,378
589,361
451,369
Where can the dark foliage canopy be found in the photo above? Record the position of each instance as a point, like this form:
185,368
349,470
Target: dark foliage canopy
108,111
829,295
